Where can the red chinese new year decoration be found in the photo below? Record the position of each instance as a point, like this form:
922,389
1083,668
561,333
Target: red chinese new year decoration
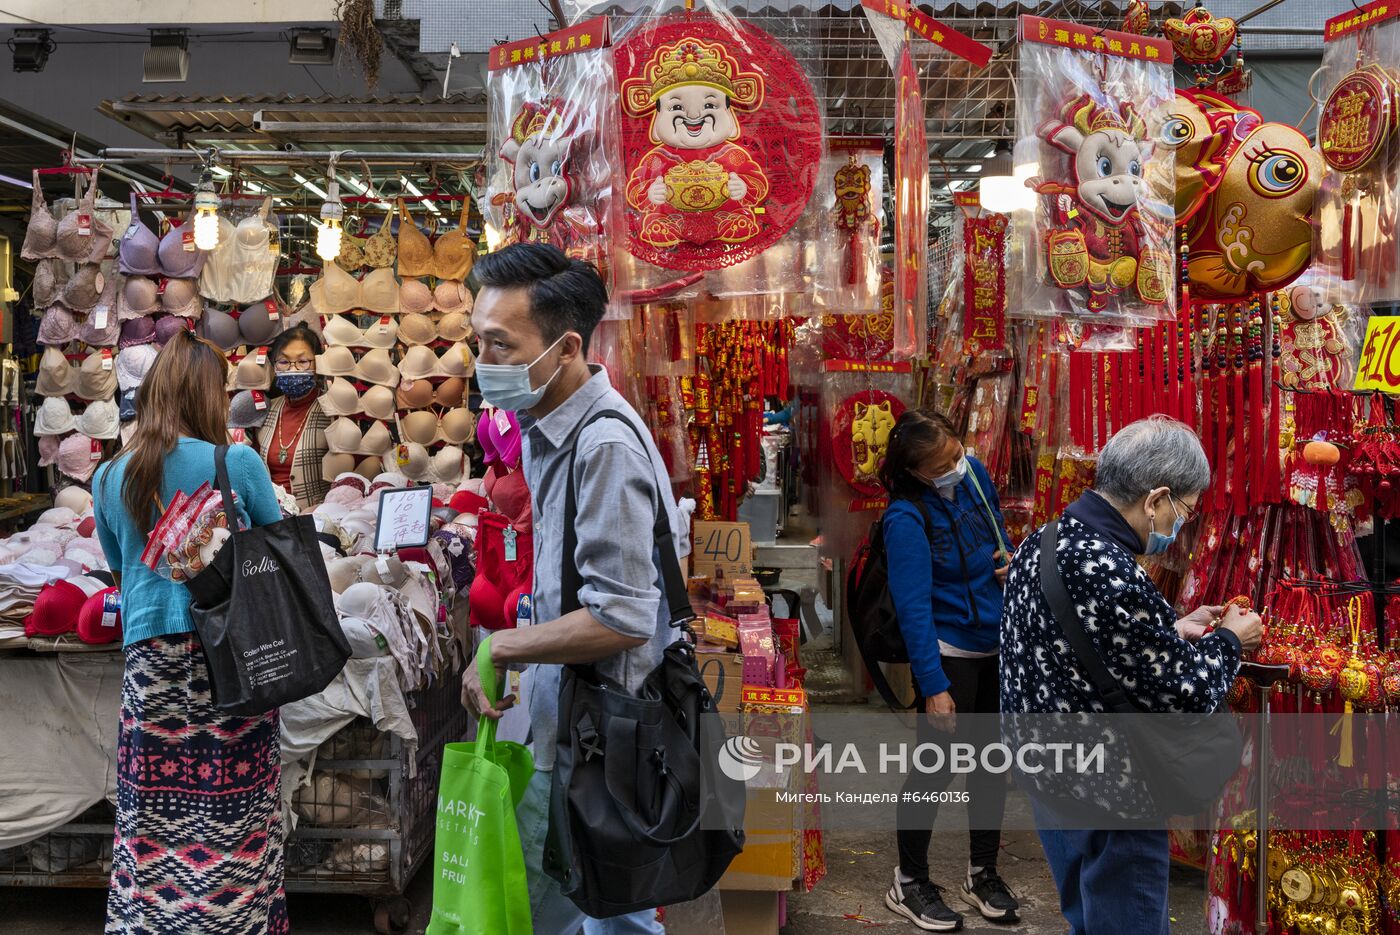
984,283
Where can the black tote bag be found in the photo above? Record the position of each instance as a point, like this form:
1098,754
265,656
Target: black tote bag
264,613
1183,760
640,814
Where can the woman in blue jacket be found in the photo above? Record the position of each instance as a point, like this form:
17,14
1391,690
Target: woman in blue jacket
945,539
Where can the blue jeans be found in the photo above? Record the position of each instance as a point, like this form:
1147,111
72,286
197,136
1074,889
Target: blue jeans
1110,882
550,910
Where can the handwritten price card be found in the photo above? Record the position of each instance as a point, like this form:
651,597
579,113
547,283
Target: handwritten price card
404,515
721,545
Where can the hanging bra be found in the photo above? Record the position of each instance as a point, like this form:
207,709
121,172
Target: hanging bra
343,436
139,296
69,241
415,298
254,326
341,398
338,291
454,254
39,235
175,261
181,297
415,252
214,279
456,426
452,296
249,266
419,362
101,419
50,275
57,377
55,417
58,327
444,467
422,329
138,253
82,292
333,465
103,324
97,376
248,374
420,394
352,255
380,249
374,367
340,330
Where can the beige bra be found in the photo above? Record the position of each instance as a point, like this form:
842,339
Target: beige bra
374,367
342,399
457,426
84,289
337,291
380,249
420,394
97,376
419,362
343,436
454,254
444,467
340,330
422,329
352,254
415,252
452,296
57,377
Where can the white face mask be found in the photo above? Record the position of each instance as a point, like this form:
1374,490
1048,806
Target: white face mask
952,478
507,386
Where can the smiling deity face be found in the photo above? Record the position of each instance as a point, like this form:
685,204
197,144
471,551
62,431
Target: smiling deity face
541,179
1109,169
694,116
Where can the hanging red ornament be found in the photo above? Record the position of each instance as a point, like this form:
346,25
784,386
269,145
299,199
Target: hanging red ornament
1199,37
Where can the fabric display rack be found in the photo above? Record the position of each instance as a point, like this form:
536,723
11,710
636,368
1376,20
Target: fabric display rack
361,759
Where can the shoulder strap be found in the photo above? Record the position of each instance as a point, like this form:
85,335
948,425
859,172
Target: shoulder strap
1052,585
991,516
225,488
672,581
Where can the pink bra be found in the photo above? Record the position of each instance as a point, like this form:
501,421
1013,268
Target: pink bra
343,436
139,296
338,291
341,398
58,327
138,253
50,275
175,261
39,236
46,238
103,325
341,330
420,394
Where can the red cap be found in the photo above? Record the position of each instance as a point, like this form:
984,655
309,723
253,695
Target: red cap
95,625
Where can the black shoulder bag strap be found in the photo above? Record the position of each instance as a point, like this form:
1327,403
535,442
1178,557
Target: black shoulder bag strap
673,584
1052,585
225,488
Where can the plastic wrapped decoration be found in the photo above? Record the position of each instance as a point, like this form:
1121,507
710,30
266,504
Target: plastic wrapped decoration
1357,122
552,150
1314,342
848,200
1099,245
721,139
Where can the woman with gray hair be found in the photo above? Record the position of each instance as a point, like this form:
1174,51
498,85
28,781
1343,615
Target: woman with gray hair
1149,480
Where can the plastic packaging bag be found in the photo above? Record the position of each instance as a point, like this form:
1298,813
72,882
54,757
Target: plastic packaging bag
848,200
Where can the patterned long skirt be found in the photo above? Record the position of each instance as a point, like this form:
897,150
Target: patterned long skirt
198,848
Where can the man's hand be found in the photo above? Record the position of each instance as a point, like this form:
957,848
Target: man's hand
657,193
941,712
474,695
1245,625
1195,624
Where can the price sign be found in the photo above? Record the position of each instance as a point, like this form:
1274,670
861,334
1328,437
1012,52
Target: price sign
726,546
404,517
1379,368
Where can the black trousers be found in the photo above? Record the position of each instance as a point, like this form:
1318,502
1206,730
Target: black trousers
975,687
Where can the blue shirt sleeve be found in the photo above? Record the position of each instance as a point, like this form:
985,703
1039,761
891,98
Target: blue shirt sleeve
911,588
101,491
253,485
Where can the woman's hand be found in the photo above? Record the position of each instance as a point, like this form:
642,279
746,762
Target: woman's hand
1003,565
941,711
1199,621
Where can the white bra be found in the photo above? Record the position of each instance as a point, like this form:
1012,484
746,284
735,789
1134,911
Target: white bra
419,362
374,367
342,399
444,467
343,436
241,268
341,330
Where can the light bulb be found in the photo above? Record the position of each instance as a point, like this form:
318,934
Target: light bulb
332,213
328,240
206,213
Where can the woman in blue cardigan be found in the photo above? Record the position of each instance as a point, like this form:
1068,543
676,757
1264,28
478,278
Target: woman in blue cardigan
946,543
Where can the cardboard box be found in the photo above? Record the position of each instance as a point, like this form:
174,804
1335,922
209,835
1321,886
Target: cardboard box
771,857
724,677
724,546
750,913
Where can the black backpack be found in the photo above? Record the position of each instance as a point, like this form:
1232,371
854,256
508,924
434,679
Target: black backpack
870,609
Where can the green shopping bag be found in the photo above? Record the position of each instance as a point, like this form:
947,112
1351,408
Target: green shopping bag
478,869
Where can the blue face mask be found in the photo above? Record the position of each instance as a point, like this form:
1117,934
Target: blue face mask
507,386
1157,543
296,385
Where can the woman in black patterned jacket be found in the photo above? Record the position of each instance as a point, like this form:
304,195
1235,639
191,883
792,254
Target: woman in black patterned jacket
1149,479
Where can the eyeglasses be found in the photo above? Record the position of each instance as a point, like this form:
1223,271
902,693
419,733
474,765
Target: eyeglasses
1190,510
301,366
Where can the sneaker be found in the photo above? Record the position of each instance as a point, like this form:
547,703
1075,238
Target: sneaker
990,895
921,902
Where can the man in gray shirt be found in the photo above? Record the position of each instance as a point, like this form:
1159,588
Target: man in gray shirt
534,315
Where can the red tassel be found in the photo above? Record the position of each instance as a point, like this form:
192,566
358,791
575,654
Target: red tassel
1101,398
1348,249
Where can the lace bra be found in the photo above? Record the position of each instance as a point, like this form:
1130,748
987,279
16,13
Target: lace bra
341,398
352,255
241,269
420,394
58,327
380,249
343,436
456,426
419,362
374,367
47,238
84,289
415,252
103,323
337,291
137,254
340,330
